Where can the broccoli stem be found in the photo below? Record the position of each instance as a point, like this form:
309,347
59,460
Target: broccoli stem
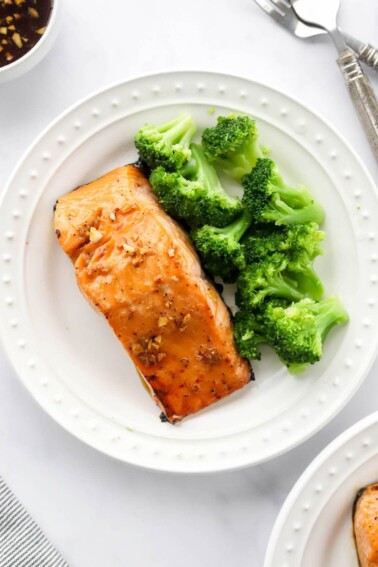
179,130
254,151
295,367
299,216
271,200
203,171
295,197
331,313
236,229
284,288
241,162
309,283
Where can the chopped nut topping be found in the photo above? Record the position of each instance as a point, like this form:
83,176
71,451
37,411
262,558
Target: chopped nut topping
33,12
160,356
187,318
129,249
24,22
147,358
147,349
154,343
174,279
209,355
182,322
95,235
112,215
171,252
17,39
137,261
137,348
163,321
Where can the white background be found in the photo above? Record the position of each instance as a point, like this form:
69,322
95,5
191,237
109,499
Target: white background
99,512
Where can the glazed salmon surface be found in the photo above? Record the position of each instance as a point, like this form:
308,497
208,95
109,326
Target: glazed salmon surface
365,524
139,269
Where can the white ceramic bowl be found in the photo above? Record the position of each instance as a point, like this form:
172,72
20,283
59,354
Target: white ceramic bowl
38,52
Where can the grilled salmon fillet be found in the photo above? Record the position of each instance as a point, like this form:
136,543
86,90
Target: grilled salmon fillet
365,525
137,267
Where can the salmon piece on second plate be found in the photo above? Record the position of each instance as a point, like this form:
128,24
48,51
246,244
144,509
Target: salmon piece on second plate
139,269
365,524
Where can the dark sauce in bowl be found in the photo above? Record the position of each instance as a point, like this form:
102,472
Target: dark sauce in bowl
22,24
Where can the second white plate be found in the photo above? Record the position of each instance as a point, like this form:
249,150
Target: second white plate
66,355
314,527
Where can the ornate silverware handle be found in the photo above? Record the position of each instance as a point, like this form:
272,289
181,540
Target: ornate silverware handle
362,95
366,52
369,54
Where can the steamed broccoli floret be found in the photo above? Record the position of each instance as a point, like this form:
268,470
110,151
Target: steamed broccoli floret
267,239
195,194
219,248
298,332
166,145
249,334
301,245
250,331
269,199
264,279
233,144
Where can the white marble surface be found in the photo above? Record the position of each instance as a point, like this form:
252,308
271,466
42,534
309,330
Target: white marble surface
97,511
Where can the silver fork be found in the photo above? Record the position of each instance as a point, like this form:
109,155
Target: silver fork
323,14
283,13
302,21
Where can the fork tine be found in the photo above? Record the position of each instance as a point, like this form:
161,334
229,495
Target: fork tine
282,5
283,13
269,8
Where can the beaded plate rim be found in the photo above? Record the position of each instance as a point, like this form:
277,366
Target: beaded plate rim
304,125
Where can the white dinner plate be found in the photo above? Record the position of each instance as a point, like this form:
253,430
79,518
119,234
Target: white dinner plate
314,527
67,356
